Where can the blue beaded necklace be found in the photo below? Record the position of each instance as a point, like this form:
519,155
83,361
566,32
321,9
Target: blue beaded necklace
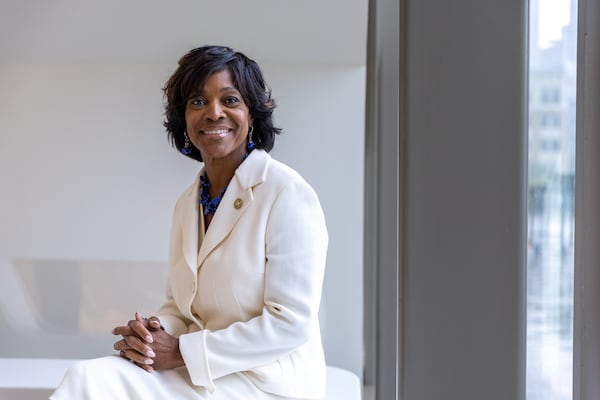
209,205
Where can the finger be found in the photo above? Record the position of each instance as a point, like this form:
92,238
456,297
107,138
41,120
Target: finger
151,323
138,316
136,344
140,330
122,330
154,322
136,357
147,368
120,345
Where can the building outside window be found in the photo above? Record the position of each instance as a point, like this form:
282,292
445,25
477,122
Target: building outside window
552,92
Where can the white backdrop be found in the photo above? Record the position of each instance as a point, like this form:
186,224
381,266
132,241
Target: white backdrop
87,174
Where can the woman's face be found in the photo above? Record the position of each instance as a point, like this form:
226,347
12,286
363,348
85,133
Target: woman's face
217,120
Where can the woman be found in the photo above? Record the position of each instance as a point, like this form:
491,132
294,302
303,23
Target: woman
246,262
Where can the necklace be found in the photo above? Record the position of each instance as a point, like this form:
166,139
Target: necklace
209,204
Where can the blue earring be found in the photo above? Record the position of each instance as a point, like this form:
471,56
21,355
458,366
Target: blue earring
251,145
187,147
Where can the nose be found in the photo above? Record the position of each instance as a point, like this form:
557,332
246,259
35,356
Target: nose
214,111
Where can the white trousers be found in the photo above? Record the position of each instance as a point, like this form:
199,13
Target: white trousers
114,378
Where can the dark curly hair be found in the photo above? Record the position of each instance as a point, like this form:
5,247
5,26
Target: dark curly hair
194,69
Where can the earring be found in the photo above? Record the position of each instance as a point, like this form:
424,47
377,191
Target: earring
187,147
251,145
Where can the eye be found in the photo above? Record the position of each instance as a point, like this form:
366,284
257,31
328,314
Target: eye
197,102
232,100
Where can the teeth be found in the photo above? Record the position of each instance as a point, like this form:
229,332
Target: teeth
216,131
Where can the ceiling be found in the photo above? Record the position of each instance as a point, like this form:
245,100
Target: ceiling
153,31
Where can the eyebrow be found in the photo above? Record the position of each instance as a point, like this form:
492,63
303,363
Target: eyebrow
224,89
228,88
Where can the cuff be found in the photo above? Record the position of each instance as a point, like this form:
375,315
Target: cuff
193,350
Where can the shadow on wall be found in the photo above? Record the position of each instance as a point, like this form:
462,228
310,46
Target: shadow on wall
66,309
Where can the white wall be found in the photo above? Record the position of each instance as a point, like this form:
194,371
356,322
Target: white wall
86,172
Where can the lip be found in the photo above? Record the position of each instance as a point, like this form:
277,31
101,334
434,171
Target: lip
216,131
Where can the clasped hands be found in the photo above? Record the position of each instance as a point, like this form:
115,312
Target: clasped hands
147,345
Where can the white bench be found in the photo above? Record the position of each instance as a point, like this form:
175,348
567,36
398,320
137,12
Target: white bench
35,379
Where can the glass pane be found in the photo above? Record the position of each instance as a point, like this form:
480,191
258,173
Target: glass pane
552,83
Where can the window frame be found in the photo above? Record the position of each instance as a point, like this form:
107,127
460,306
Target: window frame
586,346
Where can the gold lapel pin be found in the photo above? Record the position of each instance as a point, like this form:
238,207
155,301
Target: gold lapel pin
238,203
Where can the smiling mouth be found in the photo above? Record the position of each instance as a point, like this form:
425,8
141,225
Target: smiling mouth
216,132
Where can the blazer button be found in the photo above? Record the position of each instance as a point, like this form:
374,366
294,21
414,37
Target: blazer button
238,203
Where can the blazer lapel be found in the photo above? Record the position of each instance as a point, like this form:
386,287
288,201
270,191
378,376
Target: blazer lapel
236,200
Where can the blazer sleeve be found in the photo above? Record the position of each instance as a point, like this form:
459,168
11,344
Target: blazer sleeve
171,318
296,247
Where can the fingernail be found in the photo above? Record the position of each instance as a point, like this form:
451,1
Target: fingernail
149,339
150,353
148,361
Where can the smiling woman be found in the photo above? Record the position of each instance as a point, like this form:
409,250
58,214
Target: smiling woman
81,123
221,123
246,260
218,121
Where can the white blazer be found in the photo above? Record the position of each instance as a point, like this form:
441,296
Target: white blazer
244,297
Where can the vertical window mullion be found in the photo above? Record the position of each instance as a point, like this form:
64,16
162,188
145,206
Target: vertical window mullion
587,217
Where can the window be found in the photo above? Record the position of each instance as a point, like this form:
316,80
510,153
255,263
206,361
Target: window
550,95
551,199
550,120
